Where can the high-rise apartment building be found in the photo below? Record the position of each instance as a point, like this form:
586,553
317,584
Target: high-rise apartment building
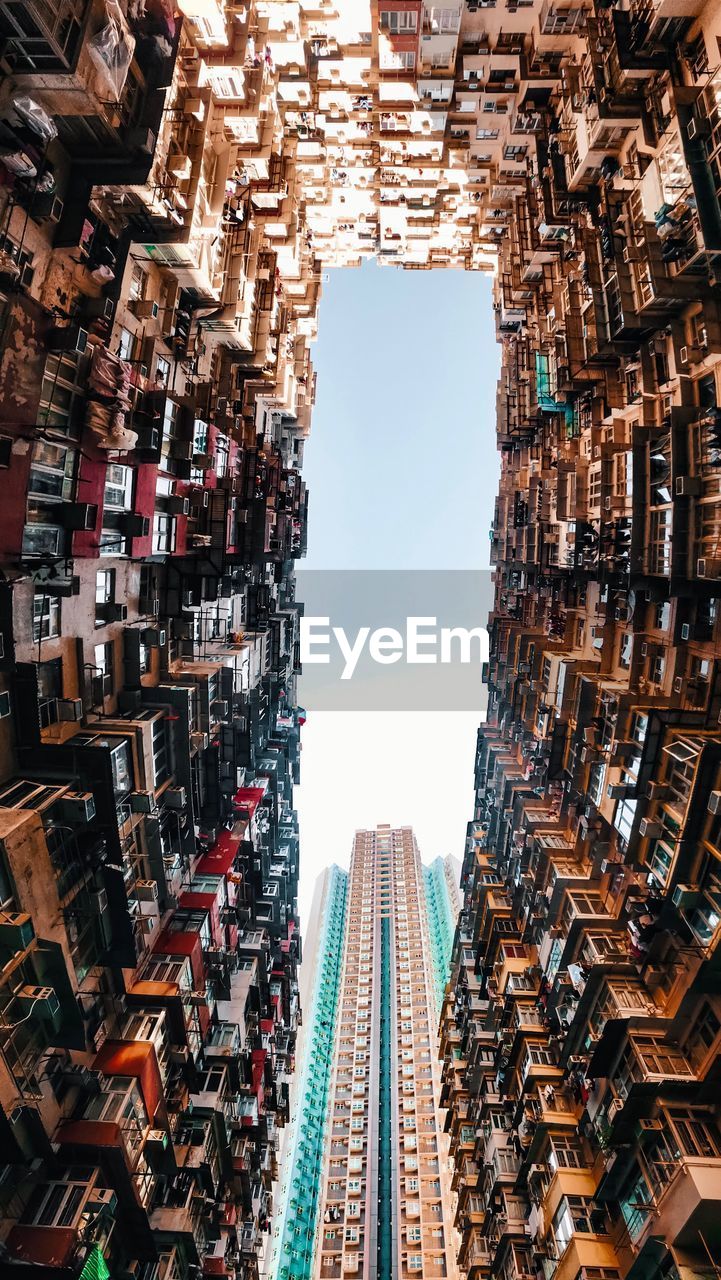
174,179
367,1190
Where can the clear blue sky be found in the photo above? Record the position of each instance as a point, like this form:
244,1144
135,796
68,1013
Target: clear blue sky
402,471
401,460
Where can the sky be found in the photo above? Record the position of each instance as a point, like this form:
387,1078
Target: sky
402,472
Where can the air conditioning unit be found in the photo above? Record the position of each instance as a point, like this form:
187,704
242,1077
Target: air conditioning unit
688,486
617,791
79,807
650,829
101,687
651,1125
182,449
178,505
141,801
113,611
199,741
685,895
70,708
175,798
102,1198
154,637
16,931
200,540
79,517
708,567
41,1002
219,707
71,338
146,890
144,308
614,1107
714,802
697,127
148,438
132,525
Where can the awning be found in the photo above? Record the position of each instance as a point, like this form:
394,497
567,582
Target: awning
248,798
219,860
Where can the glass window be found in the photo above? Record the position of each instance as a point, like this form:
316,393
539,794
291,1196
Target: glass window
126,344
118,487
46,616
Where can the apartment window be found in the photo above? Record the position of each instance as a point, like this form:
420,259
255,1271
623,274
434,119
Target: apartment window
398,21
55,1204
566,1152
51,473
706,917
163,533
46,616
415,1261
126,344
104,592
633,1206
486,135
702,1036
118,487
661,1059
161,767
50,688
42,39
445,20
398,59
696,1131
659,549
104,662
138,283
572,1215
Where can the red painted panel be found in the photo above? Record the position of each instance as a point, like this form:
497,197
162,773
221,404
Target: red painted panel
218,860
90,1133
90,488
133,1058
146,483
44,1246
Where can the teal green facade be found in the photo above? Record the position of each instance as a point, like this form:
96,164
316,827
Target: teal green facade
300,1206
301,1203
441,925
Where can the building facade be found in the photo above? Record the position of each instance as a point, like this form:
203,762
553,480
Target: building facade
367,1188
174,180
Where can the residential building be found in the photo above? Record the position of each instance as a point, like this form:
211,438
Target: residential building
367,1189
174,180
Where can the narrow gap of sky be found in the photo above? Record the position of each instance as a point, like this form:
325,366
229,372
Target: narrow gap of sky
402,472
